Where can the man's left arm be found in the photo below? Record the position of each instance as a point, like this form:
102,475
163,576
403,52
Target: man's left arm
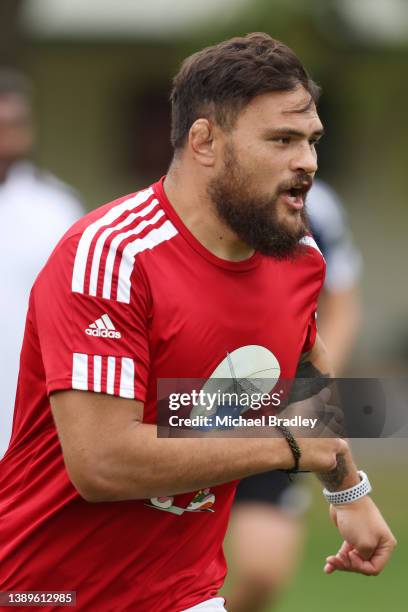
368,541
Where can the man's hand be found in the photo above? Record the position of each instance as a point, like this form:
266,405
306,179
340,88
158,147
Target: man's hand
368,541
330,418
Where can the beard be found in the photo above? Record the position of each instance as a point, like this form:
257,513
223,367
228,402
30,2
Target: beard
254,218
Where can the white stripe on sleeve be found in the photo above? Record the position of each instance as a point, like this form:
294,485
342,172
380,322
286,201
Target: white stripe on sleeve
97,371
110,376
127,378
80,371
82,253
154,238
96,260
110,260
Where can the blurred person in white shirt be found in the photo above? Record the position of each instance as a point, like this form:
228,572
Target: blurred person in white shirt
35,210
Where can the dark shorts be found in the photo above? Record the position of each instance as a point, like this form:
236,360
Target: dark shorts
274,488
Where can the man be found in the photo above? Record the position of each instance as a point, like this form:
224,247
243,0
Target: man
266,530
168,283
36,208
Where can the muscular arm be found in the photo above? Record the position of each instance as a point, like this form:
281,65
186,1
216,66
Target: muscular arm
368,541
111,455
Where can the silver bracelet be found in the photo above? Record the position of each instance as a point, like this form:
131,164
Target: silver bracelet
348,496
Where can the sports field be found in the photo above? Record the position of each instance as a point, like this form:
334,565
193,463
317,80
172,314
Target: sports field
314,591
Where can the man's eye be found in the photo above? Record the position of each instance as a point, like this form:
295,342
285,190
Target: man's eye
285,140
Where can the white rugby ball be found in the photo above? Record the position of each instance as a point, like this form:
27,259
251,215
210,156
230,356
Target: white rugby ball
253,362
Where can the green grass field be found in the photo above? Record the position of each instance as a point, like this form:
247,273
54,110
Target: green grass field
314,591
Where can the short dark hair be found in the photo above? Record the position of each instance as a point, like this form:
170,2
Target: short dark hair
219,81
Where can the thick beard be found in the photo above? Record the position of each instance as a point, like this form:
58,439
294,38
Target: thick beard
251,217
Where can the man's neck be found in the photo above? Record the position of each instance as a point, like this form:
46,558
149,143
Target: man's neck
187,194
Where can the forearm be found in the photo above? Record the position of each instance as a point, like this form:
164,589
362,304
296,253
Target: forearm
142,465
344,475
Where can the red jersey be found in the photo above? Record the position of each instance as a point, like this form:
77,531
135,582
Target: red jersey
129,296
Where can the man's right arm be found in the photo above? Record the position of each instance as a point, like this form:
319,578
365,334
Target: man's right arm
110,455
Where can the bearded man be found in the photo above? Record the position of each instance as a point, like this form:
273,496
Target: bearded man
211,263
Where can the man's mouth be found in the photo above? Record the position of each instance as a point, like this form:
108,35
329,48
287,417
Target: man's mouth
296,195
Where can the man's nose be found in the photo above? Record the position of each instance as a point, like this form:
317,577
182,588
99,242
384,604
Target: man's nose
305,159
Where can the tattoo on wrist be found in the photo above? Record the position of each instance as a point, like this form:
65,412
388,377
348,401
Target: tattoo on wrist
332,480
307,369
309,381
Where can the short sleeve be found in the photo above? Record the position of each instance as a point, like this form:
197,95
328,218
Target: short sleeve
315,279
90,342
311,334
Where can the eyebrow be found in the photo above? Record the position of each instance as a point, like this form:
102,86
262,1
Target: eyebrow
286,131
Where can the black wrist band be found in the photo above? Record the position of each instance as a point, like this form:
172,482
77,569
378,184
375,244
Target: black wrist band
293,445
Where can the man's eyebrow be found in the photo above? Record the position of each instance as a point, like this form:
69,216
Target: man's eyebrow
286,131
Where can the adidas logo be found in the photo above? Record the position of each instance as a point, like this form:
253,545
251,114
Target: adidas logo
103,328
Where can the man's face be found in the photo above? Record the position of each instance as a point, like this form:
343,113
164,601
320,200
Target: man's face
269,161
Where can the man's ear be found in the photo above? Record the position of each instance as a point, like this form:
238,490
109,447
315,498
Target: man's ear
201,141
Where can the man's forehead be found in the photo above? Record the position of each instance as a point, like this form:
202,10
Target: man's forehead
300,111
282,103
304,105
295,102
295,110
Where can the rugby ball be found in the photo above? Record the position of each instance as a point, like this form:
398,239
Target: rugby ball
253,363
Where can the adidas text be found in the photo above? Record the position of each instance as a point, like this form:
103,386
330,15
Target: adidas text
103,333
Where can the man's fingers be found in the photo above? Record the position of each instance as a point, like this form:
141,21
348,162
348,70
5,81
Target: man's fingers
324,395
343,554
362,566
336,429
336,562
349,560
332,418
377,561
340,561
366,550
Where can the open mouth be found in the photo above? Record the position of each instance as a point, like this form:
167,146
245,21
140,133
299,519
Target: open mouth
295,196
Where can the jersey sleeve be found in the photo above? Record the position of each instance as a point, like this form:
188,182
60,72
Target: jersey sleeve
316,278
91,342
310,334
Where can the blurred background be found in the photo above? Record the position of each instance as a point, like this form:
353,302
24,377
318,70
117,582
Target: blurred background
102,78
101,72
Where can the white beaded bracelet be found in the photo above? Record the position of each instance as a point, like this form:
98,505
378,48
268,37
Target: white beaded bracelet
348,496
